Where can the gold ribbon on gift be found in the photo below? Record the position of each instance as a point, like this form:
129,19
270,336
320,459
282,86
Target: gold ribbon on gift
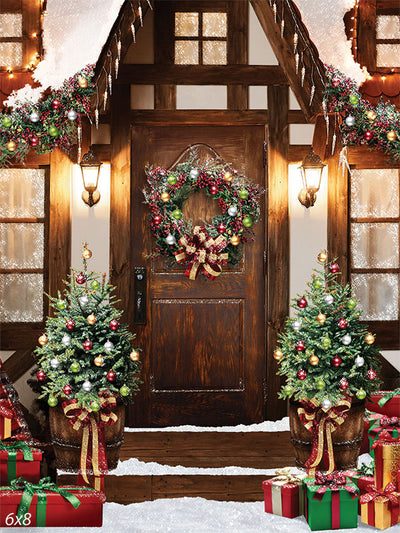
322,430
284,476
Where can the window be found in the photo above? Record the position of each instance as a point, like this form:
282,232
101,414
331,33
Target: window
23,241
388,41
11,40
201,38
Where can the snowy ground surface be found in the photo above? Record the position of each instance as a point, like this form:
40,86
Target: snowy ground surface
197,515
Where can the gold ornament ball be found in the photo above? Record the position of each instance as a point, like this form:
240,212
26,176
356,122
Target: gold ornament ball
235,240
91,319
278,354
228,176
371,115
314,360
369,338
134,355
83,83
165,197
321,318
391,135
42,340
322,257
99,361
11,146
87,254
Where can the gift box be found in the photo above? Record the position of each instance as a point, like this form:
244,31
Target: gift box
380,508
390,424
284,494
331,501
385,402
17,459
361,480
47,505
369,419
387,459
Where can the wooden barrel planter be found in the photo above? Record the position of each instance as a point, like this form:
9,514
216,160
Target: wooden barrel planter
67,441
347,438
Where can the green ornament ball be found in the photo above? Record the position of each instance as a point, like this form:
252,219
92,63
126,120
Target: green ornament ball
53,131
288,389
318,283
95,285
326,343
247,222
243,194
75,367
61,305
351,304
52,401
320,384
7,121
172,180
177,214
124,390
95,406
353,99
361,394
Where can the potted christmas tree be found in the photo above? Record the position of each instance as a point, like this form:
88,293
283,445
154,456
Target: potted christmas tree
329,361
88,371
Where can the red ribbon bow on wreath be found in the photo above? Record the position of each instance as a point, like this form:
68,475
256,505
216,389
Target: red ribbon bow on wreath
333,481
202,253
390,493
94,457
322,423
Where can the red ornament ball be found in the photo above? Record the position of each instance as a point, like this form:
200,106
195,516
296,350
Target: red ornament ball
371,374
67,390
213,190
301,374
34,140
157,220
300,346
114,325
111,375
334,267
344,384
302,303
56,104
221,228
87,345
70,324
336,361
80,278
342,323
368,135
40,374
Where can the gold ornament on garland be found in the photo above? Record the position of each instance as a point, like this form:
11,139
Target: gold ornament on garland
391,135
86,254
278,354
322,257
134,355
369,338
321,318
228,176
82,82
371,115
235,240
42,340
313,360
99,361
165,197
91,319
11,146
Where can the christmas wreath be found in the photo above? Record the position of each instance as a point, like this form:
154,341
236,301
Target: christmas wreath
209,247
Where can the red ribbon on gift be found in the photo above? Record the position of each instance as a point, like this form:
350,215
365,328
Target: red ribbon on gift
202,253
373,493
93,450
322,423
5,409
383,438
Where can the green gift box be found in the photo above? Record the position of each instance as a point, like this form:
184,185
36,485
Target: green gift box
331,502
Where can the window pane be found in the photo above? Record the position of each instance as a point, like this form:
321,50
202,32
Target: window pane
186,24
21,245
388,27
378,294
388,55
375,245
11,24
214,24
22,193
214,53
21,298
186,52
375,193
11,54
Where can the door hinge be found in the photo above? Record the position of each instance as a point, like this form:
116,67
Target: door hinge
265,147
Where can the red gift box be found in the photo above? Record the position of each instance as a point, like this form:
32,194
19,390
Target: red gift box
390,408
361,481
284,495
54,510
13,464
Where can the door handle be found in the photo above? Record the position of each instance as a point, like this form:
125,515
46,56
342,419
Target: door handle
139,295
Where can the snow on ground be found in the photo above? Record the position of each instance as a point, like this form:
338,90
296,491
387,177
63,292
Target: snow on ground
197,515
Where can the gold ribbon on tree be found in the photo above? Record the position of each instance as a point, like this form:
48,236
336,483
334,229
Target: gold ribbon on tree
202,253
322,423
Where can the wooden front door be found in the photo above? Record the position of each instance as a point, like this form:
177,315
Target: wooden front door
203,341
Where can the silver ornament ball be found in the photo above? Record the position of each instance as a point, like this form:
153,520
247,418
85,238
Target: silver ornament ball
83,300
34,116
232,211
359,361
296,325
194,173
108,346
66,340
54,363
170,239
346,340
87,386
350,121
328,299
326,403
72,114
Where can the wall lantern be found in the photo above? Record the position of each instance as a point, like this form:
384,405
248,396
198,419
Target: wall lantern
90,167
311,173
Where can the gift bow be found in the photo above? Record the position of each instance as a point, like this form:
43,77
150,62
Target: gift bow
93,430
202,253
384,436
387,421
333,481
388,397
322,430
13,447
39,489
5,409
390,493
284,476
